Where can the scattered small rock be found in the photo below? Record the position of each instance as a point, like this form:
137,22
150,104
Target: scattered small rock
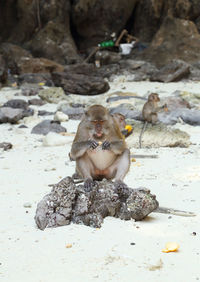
12,115
30,89
60,116
52,95
27,205
47,126
17,104
36,102
72,112
45,113
6,146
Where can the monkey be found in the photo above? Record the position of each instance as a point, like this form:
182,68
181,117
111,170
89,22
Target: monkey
120,120
149,112
99,148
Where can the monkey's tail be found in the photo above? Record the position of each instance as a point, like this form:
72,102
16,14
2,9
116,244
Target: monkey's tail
141,133
174,212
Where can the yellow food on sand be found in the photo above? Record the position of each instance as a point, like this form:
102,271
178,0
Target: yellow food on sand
170,247
133,160
129,128
68,246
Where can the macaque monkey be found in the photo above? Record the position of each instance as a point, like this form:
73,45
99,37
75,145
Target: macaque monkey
150,112
99,148
120,120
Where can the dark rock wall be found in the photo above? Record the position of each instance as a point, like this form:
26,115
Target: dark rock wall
64,30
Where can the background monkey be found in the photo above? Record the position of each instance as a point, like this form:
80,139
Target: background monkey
120,120
99,148
150,112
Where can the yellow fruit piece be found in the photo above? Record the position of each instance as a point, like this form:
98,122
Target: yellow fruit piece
133,160
100,143
129,128
170,247
41,83
68,246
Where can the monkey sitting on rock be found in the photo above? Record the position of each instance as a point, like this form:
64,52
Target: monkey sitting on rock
150,112
99,148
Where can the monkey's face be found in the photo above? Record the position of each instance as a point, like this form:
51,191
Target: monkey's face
120,120
98,128
153,97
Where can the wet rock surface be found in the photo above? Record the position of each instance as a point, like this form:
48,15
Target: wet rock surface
69,202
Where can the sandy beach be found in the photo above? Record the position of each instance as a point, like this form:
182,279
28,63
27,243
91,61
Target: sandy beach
120,250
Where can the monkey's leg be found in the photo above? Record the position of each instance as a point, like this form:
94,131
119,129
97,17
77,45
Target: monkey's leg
120,167
141,133
85,168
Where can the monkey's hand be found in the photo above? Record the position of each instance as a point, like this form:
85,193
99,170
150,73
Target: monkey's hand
93,144
106,145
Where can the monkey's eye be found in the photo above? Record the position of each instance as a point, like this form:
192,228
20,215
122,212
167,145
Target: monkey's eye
98,121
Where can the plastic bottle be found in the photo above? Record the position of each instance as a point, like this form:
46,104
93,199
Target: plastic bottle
108,43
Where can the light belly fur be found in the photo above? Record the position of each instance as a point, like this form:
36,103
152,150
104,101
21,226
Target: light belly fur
102,159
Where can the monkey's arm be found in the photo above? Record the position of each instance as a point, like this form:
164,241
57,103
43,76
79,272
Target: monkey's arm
79,148
159,109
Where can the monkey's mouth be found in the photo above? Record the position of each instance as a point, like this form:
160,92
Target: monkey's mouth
98,134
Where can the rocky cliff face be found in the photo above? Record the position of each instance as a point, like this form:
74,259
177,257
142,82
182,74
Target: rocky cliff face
64,31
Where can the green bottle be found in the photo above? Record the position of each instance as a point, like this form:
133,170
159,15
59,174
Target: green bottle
108,43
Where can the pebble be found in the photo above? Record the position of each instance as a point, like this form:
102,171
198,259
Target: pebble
27,205
60,116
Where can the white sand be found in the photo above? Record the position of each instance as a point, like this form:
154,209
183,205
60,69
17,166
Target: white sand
105,254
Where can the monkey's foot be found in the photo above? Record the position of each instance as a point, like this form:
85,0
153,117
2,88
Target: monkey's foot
88,184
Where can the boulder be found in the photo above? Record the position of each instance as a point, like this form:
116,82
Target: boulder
80,83
174,71
68,202
156,136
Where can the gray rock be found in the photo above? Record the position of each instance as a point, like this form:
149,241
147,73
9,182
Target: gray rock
35,78
190,116
17,104
174,71
12,115
6,146
30,89
68,202
82,84
36,102
128,110
52,95
47,126
156,136
72,112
